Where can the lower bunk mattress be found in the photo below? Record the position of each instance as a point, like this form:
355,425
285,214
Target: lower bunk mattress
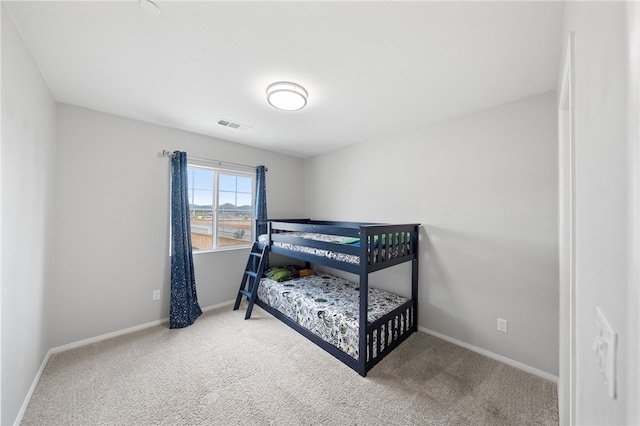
328,306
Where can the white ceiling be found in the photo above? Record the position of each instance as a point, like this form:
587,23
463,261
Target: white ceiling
371,68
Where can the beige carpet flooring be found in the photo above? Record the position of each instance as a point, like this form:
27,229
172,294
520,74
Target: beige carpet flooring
226,371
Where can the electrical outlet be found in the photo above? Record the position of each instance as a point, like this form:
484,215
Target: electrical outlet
155,295
605,347
502,325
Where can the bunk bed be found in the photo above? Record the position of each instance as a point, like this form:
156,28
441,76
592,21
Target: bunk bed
368,323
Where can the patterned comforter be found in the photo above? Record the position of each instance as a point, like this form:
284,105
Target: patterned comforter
328,306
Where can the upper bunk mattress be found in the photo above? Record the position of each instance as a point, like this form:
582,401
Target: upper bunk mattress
342,257
328,306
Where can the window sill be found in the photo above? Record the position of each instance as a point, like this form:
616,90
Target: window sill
221,249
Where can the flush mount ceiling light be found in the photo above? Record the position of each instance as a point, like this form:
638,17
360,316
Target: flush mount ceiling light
287,96
150,7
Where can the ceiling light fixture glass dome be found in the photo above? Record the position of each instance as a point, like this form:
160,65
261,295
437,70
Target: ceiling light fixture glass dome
149,7
287,96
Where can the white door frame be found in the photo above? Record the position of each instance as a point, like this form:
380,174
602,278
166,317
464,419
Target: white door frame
566,239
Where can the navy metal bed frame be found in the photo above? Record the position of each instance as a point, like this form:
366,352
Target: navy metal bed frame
380,337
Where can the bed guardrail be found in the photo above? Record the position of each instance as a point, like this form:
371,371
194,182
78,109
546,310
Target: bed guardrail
386,245
384,334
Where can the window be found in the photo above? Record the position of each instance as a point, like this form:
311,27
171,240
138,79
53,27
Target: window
221,207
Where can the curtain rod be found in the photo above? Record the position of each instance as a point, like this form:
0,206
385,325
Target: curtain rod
169,154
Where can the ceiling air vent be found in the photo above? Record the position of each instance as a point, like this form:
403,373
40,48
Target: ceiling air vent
232,125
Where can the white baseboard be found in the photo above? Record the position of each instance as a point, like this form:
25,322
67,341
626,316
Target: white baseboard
219,305
508,361
89,341
122,332
32,388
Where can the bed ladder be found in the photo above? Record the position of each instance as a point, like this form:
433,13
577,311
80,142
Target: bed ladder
251,277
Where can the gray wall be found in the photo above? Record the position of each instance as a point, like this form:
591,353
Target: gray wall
112,221
607,209
28,176
484,188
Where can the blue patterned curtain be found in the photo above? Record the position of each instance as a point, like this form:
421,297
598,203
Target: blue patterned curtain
183,308
261,201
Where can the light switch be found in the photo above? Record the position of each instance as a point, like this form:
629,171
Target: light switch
605,347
